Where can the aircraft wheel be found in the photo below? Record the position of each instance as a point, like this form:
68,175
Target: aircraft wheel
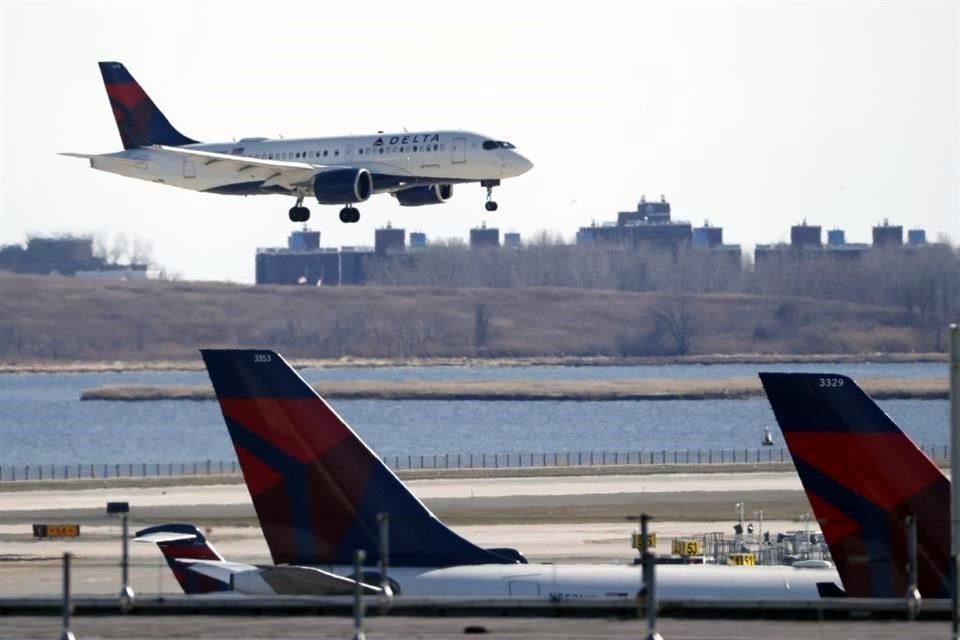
354,214
491,206
299,214
345,215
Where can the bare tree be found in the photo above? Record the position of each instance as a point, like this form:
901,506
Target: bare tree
676,323
141,252
118,249
481,325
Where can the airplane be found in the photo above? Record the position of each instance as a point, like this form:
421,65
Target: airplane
864,477
318,491
417,168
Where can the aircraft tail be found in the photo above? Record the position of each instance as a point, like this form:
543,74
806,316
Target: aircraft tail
864,477
316,487
139,120
181,544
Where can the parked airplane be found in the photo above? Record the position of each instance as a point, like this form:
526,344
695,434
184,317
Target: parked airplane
417,168
864,477
318,490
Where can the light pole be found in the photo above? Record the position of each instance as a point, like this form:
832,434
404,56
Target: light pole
954,472
126,595
66,634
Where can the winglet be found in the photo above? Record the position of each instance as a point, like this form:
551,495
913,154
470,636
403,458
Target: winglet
864,477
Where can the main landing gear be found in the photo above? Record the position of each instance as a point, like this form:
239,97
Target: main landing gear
349,214
299,213
489,185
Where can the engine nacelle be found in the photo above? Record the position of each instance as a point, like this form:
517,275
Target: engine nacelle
419,196
342,186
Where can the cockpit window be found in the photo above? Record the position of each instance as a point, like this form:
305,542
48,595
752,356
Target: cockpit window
505,145
490,144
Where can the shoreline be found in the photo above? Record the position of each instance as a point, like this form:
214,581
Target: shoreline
540,390
468,362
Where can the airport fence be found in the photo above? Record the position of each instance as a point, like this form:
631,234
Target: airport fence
677,457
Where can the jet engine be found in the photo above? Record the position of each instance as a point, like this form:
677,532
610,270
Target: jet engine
419,196
342,186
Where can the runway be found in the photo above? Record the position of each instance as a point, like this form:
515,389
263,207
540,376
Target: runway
391,627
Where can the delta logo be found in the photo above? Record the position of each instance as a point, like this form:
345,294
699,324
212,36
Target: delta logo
414,139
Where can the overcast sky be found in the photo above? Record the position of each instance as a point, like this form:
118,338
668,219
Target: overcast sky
752,115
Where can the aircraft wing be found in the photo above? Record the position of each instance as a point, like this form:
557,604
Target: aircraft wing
272,172
298,580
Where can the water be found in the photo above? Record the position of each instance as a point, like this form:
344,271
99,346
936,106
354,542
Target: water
42,420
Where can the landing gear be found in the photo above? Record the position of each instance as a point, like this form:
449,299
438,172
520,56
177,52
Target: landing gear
349,214
298,212
489,185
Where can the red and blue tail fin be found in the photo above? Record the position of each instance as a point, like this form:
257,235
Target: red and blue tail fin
864,477
180,544
316,487
139,120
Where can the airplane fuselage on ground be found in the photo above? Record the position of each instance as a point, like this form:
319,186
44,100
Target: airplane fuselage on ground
611,582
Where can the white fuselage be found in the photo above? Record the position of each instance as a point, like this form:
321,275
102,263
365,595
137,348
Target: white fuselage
396,161
560,582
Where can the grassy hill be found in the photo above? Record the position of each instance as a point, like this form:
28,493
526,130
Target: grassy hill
57,319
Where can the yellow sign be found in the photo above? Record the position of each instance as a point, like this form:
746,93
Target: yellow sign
741,559
651,541
683,547
56,530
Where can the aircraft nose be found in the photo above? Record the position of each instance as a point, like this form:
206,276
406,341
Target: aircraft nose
521,164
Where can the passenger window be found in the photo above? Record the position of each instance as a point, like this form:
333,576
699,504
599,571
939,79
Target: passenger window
336,152
325,152
381,150
401,149
414,147
360,151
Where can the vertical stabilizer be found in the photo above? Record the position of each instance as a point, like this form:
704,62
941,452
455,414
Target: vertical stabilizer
139,120
316,487
863,477
181,544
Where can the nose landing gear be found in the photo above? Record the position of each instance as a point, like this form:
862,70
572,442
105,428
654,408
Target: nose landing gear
490,205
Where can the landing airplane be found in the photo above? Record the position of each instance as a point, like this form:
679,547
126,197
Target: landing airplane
864,477
416,168
318,490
